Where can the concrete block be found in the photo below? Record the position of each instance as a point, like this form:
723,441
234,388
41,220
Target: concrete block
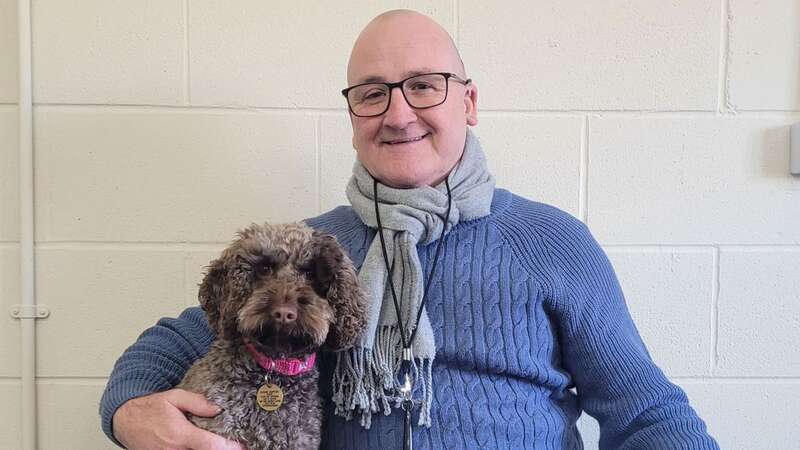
101,299
691,180
281,54
764,62
68,416
645,55
536,157
170,176
668,293
11,397
759,312
336,160
748,415
9,296
9,52
195,263
98,51
9,174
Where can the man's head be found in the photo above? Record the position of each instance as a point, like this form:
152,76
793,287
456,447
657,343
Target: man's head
408,147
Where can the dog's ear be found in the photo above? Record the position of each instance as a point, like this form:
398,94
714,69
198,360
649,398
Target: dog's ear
332,275
225,288
211,293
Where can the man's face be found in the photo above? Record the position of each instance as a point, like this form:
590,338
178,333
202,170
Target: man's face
407,147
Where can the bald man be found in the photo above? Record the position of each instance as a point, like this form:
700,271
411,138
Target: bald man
508,309
392,47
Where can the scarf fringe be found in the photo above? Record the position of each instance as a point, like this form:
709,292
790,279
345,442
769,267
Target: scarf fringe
365,379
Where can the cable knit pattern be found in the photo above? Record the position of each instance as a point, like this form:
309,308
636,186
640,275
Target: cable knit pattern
524,307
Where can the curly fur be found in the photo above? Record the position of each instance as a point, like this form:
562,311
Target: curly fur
267,268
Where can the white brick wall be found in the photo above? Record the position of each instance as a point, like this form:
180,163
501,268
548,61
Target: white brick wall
8,51
270,45
10,393
169,175
9,173
607,54
161,127
764,61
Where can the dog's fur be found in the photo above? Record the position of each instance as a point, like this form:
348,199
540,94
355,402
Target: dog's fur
266,267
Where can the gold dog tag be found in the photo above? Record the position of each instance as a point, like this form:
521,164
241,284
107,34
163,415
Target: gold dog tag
269,397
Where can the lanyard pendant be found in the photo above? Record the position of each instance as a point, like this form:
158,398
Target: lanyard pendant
405,392
407,442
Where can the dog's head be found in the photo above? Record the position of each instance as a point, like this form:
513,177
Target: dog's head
285,288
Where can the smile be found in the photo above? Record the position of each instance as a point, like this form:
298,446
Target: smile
407,140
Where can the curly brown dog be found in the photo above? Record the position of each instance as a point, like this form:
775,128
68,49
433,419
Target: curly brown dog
277,295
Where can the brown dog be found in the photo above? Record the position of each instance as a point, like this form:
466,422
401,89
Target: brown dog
277,295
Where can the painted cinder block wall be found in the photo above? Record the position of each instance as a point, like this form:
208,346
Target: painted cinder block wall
163,126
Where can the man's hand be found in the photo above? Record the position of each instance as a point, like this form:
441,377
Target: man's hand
157,422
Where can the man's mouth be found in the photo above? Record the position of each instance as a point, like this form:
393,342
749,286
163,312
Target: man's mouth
406,140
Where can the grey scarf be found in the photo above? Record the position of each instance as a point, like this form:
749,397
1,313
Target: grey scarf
366,375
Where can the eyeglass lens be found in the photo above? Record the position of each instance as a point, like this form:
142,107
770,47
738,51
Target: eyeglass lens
423,91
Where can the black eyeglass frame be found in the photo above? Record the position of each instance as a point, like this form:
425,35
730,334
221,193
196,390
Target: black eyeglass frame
447,77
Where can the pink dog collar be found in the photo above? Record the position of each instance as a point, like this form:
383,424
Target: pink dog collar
288,367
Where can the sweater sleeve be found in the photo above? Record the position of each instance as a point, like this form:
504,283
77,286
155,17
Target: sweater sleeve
157,361
616,380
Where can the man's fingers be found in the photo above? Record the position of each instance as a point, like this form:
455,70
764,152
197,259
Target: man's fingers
198,439
193,403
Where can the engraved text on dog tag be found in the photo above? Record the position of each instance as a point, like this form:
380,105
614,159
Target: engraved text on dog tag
269,397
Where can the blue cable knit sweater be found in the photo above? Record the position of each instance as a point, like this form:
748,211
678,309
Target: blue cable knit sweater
524,306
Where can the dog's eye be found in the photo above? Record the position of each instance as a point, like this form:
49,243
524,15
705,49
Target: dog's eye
304,300
262,268
307,271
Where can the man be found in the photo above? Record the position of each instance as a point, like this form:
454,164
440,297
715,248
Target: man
518,302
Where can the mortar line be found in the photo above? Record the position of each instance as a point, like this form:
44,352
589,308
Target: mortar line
58,379
456,25
706,246
156,246
715,288
214,245
187,93
583,172
739,379
318,177
200,109
50,244
724,46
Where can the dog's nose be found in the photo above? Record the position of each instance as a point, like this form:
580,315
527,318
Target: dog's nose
284,314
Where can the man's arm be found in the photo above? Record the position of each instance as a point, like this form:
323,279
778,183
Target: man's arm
617,381
156,362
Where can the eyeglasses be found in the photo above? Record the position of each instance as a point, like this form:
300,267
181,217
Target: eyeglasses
420,91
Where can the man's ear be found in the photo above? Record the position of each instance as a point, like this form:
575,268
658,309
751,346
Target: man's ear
471,104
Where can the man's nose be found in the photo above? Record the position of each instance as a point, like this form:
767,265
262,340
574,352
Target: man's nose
400,113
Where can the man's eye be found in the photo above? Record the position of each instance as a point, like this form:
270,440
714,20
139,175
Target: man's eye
421,86
372,95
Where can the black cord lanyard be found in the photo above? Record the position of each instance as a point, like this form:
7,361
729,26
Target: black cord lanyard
405,367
